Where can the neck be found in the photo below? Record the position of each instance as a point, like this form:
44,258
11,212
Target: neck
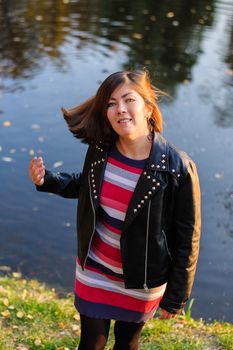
135,148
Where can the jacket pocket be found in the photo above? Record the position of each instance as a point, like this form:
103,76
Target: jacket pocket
166,245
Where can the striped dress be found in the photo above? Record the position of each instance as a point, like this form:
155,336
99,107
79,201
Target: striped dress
99,289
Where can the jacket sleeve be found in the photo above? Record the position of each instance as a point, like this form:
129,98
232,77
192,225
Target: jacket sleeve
62,184
187,227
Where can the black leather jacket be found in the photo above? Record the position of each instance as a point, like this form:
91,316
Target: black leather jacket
161,233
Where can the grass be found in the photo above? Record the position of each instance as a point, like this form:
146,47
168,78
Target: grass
34,317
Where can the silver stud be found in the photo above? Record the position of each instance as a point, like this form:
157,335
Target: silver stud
92,170
99,161
158,166
163,161
178,175
163,155
95,163
152,166
95,197
135,210
158,184
92,181
142,201
144,173
92,164
149,192
92,175
103,159
163,167
94,191
153,188
146,197
93,185
173,170
139,205
148,177
153,180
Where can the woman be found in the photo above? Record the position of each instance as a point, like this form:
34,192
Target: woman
138,217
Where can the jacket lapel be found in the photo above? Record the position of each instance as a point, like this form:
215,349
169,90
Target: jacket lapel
149,182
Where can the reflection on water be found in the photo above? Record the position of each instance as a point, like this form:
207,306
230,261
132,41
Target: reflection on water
56,52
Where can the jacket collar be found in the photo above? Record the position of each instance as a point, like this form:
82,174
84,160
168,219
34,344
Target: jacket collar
158,158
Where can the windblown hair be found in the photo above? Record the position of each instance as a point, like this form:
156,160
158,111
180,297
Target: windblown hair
89,121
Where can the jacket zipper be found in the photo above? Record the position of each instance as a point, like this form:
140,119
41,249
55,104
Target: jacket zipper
146,255
93,209
166,245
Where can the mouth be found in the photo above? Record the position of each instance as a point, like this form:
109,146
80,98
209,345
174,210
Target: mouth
124,120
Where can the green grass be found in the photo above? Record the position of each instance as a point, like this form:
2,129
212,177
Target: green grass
34,317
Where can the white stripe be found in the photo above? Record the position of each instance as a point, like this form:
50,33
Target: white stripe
109,266
115,243
130,292
120,179
114,213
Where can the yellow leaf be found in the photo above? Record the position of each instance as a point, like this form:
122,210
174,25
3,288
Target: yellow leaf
22,347
17,274
77,317
11,307
37,342
170,14
30,317
61,324
6,123
20,314
5,301
6,313
137,36
75,327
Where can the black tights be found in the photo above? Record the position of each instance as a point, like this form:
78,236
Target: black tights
94,334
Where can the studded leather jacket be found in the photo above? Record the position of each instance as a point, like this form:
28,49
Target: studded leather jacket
161,232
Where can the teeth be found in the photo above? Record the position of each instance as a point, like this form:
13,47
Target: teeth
124,120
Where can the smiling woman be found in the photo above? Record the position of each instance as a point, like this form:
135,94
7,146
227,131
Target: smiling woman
138,214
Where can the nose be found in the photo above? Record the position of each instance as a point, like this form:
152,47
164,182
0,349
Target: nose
121,108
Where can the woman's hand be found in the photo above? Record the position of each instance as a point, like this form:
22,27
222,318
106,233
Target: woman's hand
37,171
165,315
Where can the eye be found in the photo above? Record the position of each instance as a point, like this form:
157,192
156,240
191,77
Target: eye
130,99
110,104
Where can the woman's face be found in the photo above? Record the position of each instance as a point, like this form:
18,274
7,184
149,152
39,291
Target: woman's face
127,113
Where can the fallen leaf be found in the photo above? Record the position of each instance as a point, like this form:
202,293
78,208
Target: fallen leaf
37,342
137,36
22,347
5,302
76,317
20,314
170,14
30,317
6,123
11,307
6,313
17,274
61,325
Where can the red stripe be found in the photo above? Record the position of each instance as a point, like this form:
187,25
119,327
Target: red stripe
97,295
111,228
109,251
124,166
111,203
115,192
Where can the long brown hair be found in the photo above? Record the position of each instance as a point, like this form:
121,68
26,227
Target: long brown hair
89,121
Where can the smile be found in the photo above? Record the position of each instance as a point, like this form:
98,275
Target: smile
124,120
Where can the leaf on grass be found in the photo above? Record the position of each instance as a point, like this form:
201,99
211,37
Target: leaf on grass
137,36
17,274
76,317
6,313
37,342
61,325
5,301
170,14
30,317
22,347
6,123
20,314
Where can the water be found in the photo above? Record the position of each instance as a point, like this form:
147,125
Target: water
55,53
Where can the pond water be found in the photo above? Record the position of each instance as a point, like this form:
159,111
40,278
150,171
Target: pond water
55,53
